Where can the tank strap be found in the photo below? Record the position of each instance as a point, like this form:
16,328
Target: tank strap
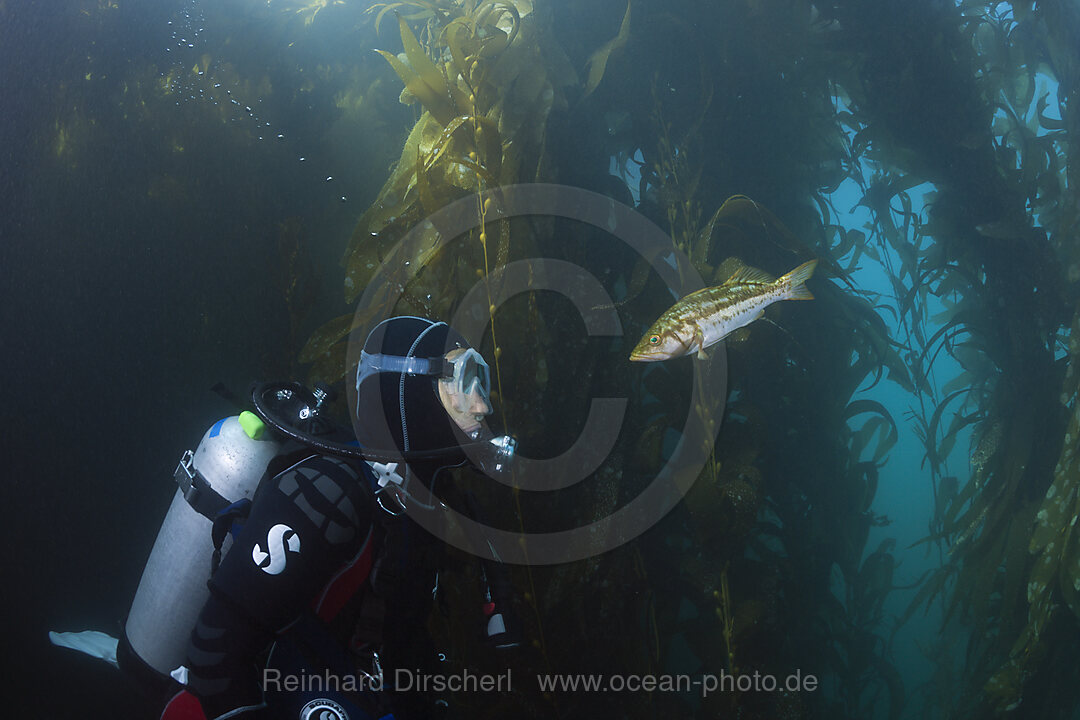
225,523
197,491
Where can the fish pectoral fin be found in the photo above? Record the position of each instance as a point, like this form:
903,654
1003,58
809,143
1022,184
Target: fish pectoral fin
699,341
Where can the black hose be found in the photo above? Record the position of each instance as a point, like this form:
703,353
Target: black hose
299,397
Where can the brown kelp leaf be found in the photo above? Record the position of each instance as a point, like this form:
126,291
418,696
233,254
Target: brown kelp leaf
933,452
493,43
443,141
958,322
1057,509
360,265
325,337
886,439
927,592
455,35
1069,577
1040,591
1016,562
423,78
331,366
489,145
423,187
959,422
598,60
639,276
1005,686
387,7
700,250
964,380
1045,122
949,522
873,329
481,172
492,14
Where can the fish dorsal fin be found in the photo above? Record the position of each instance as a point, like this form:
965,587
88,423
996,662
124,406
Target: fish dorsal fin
747,275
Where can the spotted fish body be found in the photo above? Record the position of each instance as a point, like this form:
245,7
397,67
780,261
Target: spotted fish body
707,316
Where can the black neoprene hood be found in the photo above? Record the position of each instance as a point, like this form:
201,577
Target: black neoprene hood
402,410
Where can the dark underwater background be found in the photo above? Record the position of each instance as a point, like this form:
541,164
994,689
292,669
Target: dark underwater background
196,193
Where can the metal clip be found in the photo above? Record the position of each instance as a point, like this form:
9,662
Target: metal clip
185,472
375,677
198,492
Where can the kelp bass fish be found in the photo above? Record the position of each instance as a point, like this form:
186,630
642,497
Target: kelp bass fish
706,317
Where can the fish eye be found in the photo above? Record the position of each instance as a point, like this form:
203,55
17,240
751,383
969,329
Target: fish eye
654,340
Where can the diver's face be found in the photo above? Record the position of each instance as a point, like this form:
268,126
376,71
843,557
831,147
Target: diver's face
468,409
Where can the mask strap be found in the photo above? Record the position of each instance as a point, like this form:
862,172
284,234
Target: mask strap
401,390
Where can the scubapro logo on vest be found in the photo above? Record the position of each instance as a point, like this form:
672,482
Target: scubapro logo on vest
281,540
323,709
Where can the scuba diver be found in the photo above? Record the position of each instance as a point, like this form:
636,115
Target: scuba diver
318,585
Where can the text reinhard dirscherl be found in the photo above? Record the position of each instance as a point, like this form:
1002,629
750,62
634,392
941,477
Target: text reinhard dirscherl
406,680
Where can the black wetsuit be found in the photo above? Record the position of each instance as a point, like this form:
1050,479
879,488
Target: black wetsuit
324,507
312,516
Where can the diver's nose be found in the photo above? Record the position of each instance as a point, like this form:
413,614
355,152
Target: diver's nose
478,404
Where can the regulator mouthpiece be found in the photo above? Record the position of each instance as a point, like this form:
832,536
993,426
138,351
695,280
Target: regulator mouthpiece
502,454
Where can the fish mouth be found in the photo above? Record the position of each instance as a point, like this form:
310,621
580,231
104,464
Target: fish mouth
643,357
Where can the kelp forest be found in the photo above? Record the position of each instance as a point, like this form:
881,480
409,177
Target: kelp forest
922,151
732,126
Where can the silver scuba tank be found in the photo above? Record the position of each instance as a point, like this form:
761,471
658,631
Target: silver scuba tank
225,468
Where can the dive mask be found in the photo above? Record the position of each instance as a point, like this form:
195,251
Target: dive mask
469,380
463,372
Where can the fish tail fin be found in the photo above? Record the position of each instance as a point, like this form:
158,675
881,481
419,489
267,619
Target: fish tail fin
794,281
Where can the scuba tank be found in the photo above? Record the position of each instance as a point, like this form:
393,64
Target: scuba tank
217,481
225,469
